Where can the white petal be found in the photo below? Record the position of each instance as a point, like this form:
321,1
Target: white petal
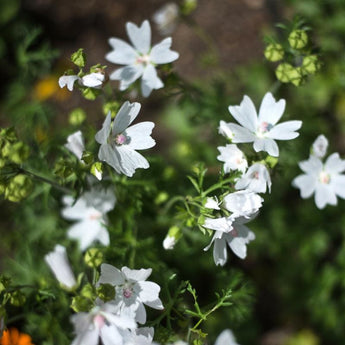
238,246
212,204
103,134
324,195
320,145
88,337
270,110
240,134
226,338
125,116
220,254
140,36
338,184
149,291
312,166
306,184
107,154
225,130
219,224
334,164
131,160
150,81
285,130
75,144
141,314
268,145
111,275
76,211
161,53
139,135
127,75
245,114
156,304
68,80
136,275
123,53
103,237
110,335
93,80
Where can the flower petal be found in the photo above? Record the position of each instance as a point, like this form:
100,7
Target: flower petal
103,134
268,145
270,110
220,254
306,184
111,275
139,135
107,154
125,116
131,160
338,184
150,81
312,166
334,164
136,275
245,114
226,338
161,53
127,75
68,80
110,335
240,134
285,130
123,53
219,224
149,291
140,36
324,195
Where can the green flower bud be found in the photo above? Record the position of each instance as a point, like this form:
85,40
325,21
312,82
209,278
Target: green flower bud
271,161
286,73
310,64
161,198
2,163
79,58
4,283
274,52
113,107
77,117
106,292
6,149
90,93
88,292
81,304
18,188
9,134
97,170
62,170
172,237
93,257
188,6
298,39
87,157
19,152
17,298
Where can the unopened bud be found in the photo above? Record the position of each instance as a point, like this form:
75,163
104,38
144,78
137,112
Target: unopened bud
17,298
106,292
274,52
81,304
79,58
93,257
298,39
77,117
97,170
174,234
286,73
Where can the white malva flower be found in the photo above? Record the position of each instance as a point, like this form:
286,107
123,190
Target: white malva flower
166,18
95,80
243,203
132,290
75,144
232,157
262,130
58,263
256,179
120,142
226,338
232,232
325,180
320,146
104,322
141,59
89,212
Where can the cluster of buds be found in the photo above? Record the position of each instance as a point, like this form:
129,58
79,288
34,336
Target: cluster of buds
13,185
296,60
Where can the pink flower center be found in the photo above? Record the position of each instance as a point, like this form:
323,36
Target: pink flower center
143,59
234,232
99,321
324,177
127,292
255,175
120,139
95,215
264,127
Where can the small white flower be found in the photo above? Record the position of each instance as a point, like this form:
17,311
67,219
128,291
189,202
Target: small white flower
120,142
232,157
58,263
255,179
89,212
226,338
103,321
243,203
169,242
68,80
262,129
212,203
319,147
166,18
141,59
95,80
232,232
325,180
75,144
132,290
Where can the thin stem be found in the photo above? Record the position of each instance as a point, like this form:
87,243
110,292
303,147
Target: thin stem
216,186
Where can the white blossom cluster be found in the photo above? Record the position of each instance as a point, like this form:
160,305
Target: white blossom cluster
236,209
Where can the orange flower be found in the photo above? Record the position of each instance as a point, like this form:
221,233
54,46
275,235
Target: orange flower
13,337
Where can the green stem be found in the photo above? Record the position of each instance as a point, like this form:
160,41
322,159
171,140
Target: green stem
216,186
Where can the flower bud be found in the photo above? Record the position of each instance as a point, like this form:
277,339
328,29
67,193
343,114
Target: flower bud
310,64
106,292
87,157
90,93
93,257
81,304
274,52
188,6
77,117
174,234
18,188
97,170
79,58
88,292
298,39
19,152
17,298
112,106
4,283
286,73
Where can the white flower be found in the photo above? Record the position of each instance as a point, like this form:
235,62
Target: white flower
232,157
166,18
58,263
94,80
224,129
75,144
325,180
169,242
232,232
139,336
262,129
103,321
89,212
119,142
243,203
141,59
226,338
132,289
212,203
255,179
319,147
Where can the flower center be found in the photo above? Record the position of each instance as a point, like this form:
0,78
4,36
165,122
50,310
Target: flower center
120,139
95,215
127,292
264,127
143,59
234,232
99,321
324,177
255,175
